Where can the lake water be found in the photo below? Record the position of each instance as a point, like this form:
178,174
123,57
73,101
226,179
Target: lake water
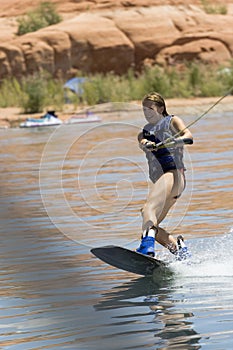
67,189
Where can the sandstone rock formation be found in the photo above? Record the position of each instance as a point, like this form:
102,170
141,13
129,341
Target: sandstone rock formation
115,38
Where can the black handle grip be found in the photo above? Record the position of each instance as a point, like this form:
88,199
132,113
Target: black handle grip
188,141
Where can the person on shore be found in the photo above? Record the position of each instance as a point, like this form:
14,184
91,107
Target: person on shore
166,171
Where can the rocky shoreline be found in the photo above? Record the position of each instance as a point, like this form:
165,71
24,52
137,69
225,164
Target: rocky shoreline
126,33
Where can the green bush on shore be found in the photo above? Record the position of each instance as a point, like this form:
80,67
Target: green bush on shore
193,80
43,16
214,9
38,92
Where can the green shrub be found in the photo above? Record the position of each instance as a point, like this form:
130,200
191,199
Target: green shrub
225,74
194,79
44,16
214,9
54,93
10,93
40,91
34,94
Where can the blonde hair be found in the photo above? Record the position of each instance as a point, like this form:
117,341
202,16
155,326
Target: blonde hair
157,99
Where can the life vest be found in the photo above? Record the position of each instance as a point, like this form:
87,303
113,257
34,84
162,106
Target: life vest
164,159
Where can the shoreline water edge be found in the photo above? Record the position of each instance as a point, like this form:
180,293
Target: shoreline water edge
12,116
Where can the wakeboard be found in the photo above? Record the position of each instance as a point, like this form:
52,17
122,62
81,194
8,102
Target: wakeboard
128,260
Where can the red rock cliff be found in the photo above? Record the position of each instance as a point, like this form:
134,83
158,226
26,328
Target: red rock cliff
103,36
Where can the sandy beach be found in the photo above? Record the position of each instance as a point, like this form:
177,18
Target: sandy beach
12,116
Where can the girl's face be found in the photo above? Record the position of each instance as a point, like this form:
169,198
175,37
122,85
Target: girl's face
153,113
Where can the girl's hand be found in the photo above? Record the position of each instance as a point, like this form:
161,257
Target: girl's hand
147,144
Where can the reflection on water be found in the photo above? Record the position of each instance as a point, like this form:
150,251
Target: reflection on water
166,327
93,182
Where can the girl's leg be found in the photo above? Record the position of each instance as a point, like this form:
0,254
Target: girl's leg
158,201
162,197
166,239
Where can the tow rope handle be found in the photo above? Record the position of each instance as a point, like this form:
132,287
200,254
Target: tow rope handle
172,143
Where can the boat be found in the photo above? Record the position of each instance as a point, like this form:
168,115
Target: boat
48,119
88,117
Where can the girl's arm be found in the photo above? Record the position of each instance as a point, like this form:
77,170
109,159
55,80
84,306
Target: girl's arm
140,136
179,126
